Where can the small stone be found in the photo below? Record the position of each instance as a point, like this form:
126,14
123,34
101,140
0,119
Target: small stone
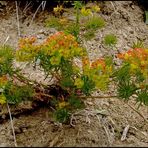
132,6
89,103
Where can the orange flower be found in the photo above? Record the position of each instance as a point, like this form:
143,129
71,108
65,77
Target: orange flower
85,61
98,62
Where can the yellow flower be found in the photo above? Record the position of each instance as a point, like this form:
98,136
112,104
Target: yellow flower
63,104
3,81
96,8
2,99
85,11
133,67
109,69
63,21
58,9
79,83
126,56
55,60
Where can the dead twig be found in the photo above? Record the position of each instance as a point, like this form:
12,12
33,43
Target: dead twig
12,126
17,15
55,140
137,112
27,6
43,3
6,40
106,131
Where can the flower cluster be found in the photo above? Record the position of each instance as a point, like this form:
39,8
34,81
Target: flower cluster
3,83
57,46
27,49
87,12
62,44
137,58
99,71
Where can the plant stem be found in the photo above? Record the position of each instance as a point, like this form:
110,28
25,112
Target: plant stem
28,81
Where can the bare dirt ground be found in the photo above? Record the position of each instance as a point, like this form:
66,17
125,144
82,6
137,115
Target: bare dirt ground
103,121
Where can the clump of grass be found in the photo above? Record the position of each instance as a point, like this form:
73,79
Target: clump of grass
62,115
138,44
53,22
110,40
95,23
73,29
89,34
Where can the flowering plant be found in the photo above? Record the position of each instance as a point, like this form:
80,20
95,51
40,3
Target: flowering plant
57,56
133,74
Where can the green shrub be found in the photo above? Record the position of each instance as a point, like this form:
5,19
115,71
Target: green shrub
57,56
89,34
110,40
53,22
138,44
95,22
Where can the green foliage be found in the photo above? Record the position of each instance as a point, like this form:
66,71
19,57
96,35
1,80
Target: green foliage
126,90
6,58
88,86
15,94
75,102
53,22
143,96
77,4
110,40
138,44
89,34
123,73
139,76
95,22
62,115
73,29
57,55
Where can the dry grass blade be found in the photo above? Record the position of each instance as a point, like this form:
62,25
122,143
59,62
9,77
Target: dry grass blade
12,126
17,15
27,6
138,113
6,40
43,3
